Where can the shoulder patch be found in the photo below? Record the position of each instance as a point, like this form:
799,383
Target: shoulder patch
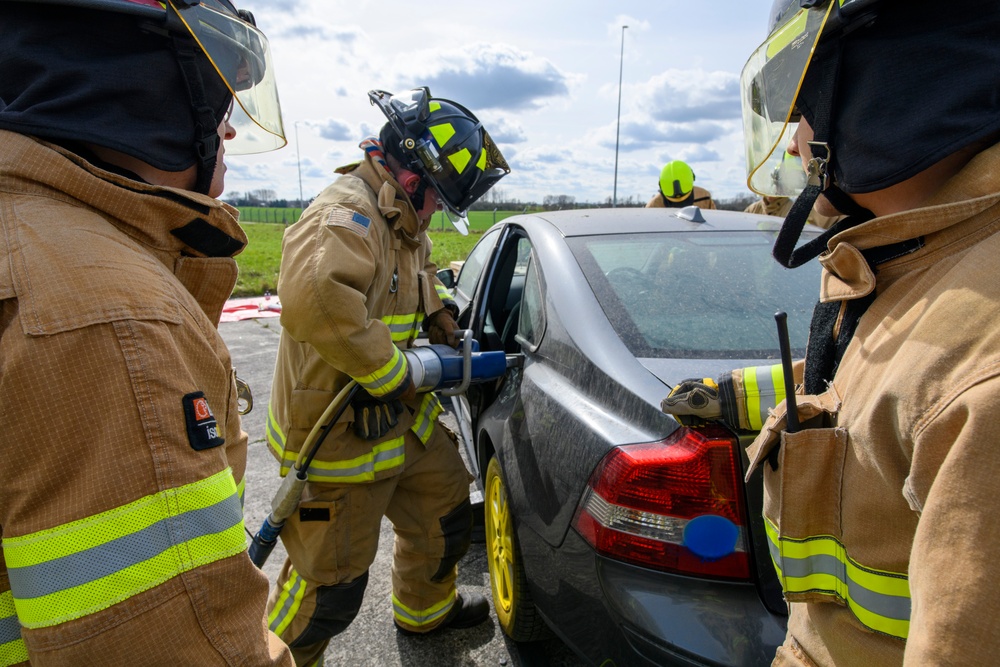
202,429
348,219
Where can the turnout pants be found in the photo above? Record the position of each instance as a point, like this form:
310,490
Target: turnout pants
333,537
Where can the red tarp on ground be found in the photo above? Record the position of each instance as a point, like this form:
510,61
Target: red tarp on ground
251,308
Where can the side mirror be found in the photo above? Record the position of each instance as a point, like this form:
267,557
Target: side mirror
447,277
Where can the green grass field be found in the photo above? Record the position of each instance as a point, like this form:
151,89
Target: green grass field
260,261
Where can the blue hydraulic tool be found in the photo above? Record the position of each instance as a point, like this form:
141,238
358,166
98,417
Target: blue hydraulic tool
432,368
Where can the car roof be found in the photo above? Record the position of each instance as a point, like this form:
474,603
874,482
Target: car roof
596,221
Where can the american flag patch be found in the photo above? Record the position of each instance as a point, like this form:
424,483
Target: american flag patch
352,220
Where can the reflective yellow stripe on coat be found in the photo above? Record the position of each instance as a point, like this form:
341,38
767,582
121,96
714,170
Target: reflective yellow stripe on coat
403,328
763,388
386,379
820,564
12,648
444,294
82,567
383,456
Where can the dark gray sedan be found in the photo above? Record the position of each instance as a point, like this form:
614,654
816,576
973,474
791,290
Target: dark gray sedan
631,537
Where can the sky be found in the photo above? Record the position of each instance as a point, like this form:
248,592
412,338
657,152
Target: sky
542,76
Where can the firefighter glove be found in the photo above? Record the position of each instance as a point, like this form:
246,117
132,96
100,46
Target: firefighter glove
694,401
441,328
373,418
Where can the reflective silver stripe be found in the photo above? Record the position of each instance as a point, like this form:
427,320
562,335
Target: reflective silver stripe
99,561
389,378
10,629
382,457
426,617
287,599
889,606
424,424
401,331
403,327
760,393
880,600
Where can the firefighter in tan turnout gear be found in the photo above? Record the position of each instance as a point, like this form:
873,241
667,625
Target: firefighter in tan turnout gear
881,506
357,286
677,189
123,458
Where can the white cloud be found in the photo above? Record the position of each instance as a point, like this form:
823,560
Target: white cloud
486,76
543,78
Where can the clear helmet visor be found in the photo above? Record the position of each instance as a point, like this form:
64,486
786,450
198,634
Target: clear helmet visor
239,52
769,87
459,221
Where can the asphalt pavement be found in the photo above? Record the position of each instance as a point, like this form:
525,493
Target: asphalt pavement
371,639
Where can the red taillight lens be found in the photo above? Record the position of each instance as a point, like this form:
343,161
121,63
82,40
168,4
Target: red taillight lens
674,505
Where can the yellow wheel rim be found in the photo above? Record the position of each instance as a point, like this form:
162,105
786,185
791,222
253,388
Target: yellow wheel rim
500,547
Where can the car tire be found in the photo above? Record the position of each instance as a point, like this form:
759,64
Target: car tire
511,597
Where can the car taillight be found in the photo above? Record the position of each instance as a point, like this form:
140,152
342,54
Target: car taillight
673,505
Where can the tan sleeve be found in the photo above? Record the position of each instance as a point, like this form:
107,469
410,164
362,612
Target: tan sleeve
329,261
953,485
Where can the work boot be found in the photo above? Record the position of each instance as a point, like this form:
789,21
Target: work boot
469,610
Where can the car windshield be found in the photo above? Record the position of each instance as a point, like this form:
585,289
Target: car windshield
698,294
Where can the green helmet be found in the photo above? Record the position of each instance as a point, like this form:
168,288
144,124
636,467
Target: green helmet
676,181
446,144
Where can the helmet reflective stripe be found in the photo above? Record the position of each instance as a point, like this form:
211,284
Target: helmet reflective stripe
460,160
82,567
442,133
820,565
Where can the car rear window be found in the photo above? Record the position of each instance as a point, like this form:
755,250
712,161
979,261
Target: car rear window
698,294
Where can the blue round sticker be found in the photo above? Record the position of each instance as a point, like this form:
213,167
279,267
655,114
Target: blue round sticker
711,536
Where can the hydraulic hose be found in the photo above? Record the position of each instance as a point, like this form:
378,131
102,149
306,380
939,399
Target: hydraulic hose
286,500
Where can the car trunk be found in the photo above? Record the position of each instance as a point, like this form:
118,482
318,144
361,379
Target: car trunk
672,371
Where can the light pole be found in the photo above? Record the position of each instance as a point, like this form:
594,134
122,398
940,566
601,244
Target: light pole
621,68
298,162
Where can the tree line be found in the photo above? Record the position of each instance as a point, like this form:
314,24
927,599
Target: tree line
493,199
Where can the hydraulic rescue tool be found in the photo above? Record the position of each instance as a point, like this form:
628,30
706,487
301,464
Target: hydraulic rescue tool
432,368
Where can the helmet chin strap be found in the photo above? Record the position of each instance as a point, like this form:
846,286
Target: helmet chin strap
819,182
206,124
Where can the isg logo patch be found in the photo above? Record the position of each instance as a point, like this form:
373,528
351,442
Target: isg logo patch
202,428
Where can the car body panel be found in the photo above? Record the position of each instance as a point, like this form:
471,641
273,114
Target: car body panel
568,398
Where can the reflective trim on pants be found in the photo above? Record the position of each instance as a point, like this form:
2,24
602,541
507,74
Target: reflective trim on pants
288,603
79,568
419,618
820,564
